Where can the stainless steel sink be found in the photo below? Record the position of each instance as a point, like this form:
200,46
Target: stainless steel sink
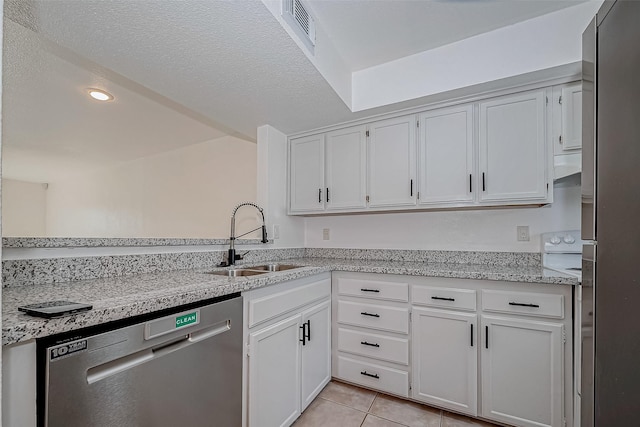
273,267
252,271
239,272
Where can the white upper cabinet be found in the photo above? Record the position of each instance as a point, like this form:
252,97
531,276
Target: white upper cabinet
512,149
346,174
571,102
492,152
446,156
307,174
392,162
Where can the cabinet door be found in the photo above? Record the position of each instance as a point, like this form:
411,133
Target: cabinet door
446,156
274,374
306,176
522,378
316,351
346,174
445,359
512,149
572,117
392,162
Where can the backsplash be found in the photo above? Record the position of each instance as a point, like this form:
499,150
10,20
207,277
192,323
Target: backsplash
55,270
530,259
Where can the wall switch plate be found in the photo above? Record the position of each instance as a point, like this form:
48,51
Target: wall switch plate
523,233
325,234
276,231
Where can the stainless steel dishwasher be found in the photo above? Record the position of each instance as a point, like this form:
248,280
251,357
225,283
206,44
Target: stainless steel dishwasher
182,369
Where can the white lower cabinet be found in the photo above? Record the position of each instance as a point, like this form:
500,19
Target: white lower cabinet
316,351
522,371
489,349
288,358
445,359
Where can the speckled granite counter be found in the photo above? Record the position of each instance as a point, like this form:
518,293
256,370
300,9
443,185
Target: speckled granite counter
123,297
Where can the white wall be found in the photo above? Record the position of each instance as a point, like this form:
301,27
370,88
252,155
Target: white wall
484,230
272,188
23,208
185,193
536,44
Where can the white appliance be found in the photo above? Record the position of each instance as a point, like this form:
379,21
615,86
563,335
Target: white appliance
562,252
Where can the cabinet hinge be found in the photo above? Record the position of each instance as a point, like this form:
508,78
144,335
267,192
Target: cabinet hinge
547,187
367,199
409,317
418,195
560,139
410,385
367,133
547,99
564,337
248,352
418,124
560,100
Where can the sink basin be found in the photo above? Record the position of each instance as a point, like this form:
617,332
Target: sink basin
273,267
237,272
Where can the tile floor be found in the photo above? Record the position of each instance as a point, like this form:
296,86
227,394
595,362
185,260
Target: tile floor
344,405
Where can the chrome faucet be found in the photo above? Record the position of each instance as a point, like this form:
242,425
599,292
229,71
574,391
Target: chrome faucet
232,257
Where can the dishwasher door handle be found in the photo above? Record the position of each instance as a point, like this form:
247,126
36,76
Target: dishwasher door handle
130,361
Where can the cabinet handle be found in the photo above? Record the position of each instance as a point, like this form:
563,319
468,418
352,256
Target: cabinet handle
304,335
411,188
486,337
309,330
369,344
327,195
319,195
369,290
444,298
470,187
472,335
365,373
483,185
524,304
364,313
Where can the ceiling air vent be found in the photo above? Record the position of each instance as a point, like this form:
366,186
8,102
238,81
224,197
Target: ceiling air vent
300,21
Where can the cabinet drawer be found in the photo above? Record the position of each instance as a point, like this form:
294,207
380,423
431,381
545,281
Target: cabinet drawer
381,378
395,350
461,299
374,316
377,289
271,306
530,304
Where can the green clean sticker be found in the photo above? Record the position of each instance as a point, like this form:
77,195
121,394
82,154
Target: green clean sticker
187,319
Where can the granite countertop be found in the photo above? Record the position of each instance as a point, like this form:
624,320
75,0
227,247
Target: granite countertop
122,297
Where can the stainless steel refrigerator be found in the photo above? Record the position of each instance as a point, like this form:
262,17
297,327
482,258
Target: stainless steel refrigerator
609,387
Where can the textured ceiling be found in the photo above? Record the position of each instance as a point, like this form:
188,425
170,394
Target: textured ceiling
202,67
378,31
51,128
230,61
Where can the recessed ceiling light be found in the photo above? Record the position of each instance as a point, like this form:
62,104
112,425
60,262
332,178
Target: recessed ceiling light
100,95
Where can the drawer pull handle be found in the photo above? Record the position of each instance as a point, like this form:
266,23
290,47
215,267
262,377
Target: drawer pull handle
524,305
370,290
444,298
367,374
369,344
364,313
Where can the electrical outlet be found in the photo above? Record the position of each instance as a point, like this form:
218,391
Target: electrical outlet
325,234
523,233
276,231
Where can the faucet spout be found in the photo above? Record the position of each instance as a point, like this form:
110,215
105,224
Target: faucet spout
232,257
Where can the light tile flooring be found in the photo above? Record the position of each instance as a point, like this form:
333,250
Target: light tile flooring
343,405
